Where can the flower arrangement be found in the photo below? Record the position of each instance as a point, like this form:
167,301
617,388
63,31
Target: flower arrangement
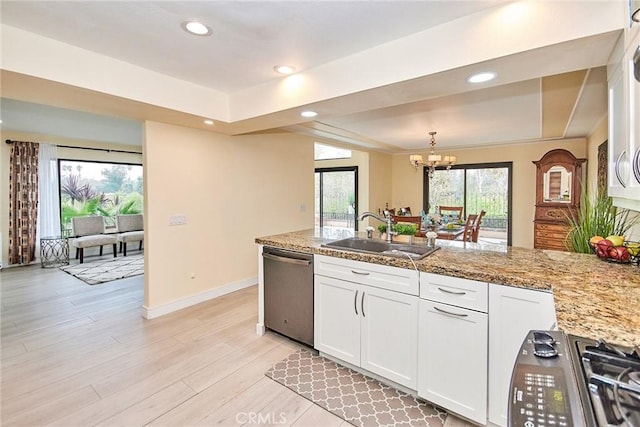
431,219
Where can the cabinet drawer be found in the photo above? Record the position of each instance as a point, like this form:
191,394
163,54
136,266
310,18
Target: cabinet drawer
550,243
464,293
557,228
548,236
376,275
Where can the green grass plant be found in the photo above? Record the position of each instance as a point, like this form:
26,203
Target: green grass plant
403,229
596,216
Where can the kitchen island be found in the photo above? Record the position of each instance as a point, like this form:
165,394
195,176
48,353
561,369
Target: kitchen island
593,298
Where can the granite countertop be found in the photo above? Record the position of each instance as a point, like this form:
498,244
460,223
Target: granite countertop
593,298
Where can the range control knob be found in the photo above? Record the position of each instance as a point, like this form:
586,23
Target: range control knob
543,337
541,349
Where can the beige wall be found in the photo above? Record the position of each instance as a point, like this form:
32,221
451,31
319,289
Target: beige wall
231,190
380,180
594,140
407,182
63,153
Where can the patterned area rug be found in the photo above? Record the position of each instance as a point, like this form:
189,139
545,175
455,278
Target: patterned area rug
103,271
357,399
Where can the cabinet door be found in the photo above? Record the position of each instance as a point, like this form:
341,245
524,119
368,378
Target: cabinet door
389,342
337,318
453,359
633,191
619,156
513,312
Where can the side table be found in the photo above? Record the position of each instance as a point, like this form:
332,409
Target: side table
54,251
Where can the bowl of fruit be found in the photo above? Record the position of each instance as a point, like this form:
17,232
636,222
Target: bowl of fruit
616,249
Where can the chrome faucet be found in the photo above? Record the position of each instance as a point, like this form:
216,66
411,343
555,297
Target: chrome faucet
387,219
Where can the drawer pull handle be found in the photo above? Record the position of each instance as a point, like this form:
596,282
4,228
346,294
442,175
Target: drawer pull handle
447,312
362,305
355,303
452,292
362,273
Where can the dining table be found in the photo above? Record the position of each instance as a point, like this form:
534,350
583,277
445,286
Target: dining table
450,233
443,232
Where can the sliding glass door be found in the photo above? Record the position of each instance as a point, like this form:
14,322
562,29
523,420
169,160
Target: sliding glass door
336,197
475,187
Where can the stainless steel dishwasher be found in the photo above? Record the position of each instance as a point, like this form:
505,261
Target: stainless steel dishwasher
288,293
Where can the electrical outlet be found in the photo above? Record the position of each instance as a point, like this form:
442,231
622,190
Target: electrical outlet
177,220
303,207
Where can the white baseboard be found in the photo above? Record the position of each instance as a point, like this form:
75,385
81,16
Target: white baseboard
170,307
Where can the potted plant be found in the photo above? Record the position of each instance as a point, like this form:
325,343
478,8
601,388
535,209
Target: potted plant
404,232
596,216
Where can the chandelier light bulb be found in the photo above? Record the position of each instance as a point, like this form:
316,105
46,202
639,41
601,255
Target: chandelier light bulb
433,159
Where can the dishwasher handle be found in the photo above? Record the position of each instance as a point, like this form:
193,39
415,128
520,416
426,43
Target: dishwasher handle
287,260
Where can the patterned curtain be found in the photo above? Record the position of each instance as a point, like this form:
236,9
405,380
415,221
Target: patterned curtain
23,202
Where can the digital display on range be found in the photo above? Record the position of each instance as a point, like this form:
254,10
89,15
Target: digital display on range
539,397
555,401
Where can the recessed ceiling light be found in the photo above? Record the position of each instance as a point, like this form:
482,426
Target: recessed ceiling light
308,114
284,69
208,122
481,77
194,27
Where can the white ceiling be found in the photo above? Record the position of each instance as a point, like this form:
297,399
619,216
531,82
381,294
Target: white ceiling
250,37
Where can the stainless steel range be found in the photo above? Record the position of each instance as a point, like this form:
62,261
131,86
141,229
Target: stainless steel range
563,380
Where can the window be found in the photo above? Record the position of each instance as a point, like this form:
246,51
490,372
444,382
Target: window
336,197
475,187
96,188
328,152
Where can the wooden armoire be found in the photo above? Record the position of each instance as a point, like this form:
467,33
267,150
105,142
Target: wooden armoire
558,185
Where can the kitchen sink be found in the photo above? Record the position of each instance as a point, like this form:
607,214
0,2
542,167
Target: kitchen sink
381,247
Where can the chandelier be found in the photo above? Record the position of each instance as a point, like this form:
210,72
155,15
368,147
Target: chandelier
433,159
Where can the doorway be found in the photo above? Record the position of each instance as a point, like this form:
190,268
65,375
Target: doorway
477,187
336,197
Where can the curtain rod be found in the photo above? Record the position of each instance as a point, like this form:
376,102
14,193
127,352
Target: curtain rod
8,141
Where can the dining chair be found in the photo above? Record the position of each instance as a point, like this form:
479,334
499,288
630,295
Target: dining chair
401,219
405,211
476,226
407,219
457,210
467,235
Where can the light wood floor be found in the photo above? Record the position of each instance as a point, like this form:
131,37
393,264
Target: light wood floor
80,355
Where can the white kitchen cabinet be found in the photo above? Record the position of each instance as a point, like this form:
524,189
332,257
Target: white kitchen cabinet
513,312
633,190
452,344
619,162
367,326
336,326
624,126
452,370
389,338
380,276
